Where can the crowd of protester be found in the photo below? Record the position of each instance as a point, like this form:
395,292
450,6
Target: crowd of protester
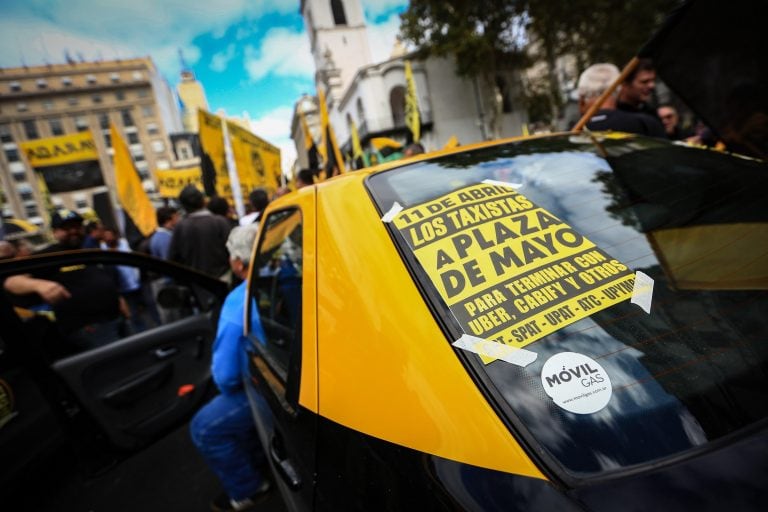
629,108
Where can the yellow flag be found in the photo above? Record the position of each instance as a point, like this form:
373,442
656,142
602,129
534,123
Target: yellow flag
256,160
132,196
412,120
214,160
357,149
334,163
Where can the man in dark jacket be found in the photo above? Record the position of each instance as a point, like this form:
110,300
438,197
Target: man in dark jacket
593,82
199,239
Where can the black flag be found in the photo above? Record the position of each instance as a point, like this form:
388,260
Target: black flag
713,55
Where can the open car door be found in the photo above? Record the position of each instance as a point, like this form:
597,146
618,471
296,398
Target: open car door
134,386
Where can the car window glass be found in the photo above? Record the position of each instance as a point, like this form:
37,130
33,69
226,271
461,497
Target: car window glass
275,288
687,371
105,303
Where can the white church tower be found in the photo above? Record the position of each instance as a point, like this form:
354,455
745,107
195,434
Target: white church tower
338,39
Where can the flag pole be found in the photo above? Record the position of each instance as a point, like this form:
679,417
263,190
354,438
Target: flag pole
629,68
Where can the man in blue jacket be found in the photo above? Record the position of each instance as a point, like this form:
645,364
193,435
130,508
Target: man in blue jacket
223,430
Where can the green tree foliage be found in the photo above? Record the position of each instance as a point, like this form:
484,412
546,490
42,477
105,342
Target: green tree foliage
490,36
484,36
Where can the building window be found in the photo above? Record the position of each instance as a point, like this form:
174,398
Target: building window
81,202
397,105
5,133
142,93
20,176
147,111
108,139
12,155
56,127
30,129
22,106
91,79
104,121
72,101
114,77
41,83
66,81
503,90
138,157
152,129
126,117
14,86
144,174
120,95
81,123
133,138
138,76
339,17
96,98
158,146
25,192
31,210
163,164
48,105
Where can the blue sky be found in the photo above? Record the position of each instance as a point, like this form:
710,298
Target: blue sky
252,56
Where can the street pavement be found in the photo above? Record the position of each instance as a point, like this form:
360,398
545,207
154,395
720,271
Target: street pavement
168,476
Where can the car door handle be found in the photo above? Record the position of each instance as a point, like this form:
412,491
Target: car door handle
165,352
284,467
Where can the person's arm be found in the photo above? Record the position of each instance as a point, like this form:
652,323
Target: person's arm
50,291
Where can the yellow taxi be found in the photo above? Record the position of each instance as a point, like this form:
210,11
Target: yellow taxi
570,322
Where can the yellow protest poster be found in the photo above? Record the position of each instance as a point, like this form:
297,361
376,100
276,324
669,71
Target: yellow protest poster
257,161
170,182
212,146
510,271
66,163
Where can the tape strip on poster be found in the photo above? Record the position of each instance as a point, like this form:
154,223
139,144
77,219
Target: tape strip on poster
510,271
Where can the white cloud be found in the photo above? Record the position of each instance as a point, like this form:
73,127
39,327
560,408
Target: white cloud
283,52
43,29
221,60
375,8
381,37
275,127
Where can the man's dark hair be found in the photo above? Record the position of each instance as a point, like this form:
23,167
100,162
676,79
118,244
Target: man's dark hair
191,198
259,199
218,205
91,226
643,64
306,175
164,214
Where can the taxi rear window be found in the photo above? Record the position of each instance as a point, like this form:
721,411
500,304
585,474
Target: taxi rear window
612,297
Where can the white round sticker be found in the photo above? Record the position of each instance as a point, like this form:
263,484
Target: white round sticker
576,383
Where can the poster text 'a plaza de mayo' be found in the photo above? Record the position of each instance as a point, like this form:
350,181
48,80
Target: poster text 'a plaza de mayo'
510,271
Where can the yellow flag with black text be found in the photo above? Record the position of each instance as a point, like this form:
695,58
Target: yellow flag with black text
309,143
213,161
359,157
334,162
412,118
131,195
256,160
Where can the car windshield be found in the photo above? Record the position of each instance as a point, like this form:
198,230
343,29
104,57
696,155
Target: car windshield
609,293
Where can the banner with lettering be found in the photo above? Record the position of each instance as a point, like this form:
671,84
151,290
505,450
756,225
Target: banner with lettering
66,163
171,182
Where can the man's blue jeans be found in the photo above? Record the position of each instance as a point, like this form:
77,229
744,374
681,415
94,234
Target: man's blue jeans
225,435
